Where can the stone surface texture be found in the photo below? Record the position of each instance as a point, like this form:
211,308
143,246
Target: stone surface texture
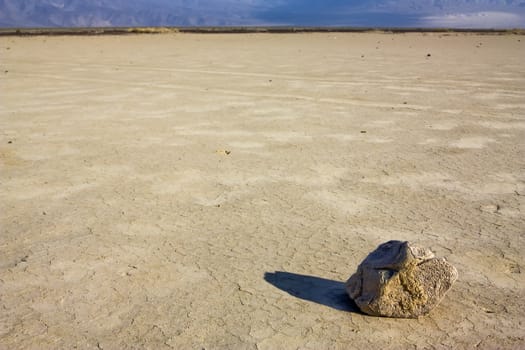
399,279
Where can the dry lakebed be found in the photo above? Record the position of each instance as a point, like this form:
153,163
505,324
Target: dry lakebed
215,191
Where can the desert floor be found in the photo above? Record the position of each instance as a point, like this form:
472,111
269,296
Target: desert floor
215,191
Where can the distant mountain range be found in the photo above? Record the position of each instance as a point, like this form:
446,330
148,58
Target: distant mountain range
369,13
96,13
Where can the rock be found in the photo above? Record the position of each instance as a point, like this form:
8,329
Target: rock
399,279
223,152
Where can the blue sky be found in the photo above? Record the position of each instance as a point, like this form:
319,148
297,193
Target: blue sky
364,13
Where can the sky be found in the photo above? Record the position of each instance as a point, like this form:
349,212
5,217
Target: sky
354,13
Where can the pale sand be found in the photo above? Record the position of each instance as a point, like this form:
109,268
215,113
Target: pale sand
124,224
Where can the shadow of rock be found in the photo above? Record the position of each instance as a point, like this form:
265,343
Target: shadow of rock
318,290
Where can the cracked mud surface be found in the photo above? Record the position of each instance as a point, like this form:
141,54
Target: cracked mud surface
126,224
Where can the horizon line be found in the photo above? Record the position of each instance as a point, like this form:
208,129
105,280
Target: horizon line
36,31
